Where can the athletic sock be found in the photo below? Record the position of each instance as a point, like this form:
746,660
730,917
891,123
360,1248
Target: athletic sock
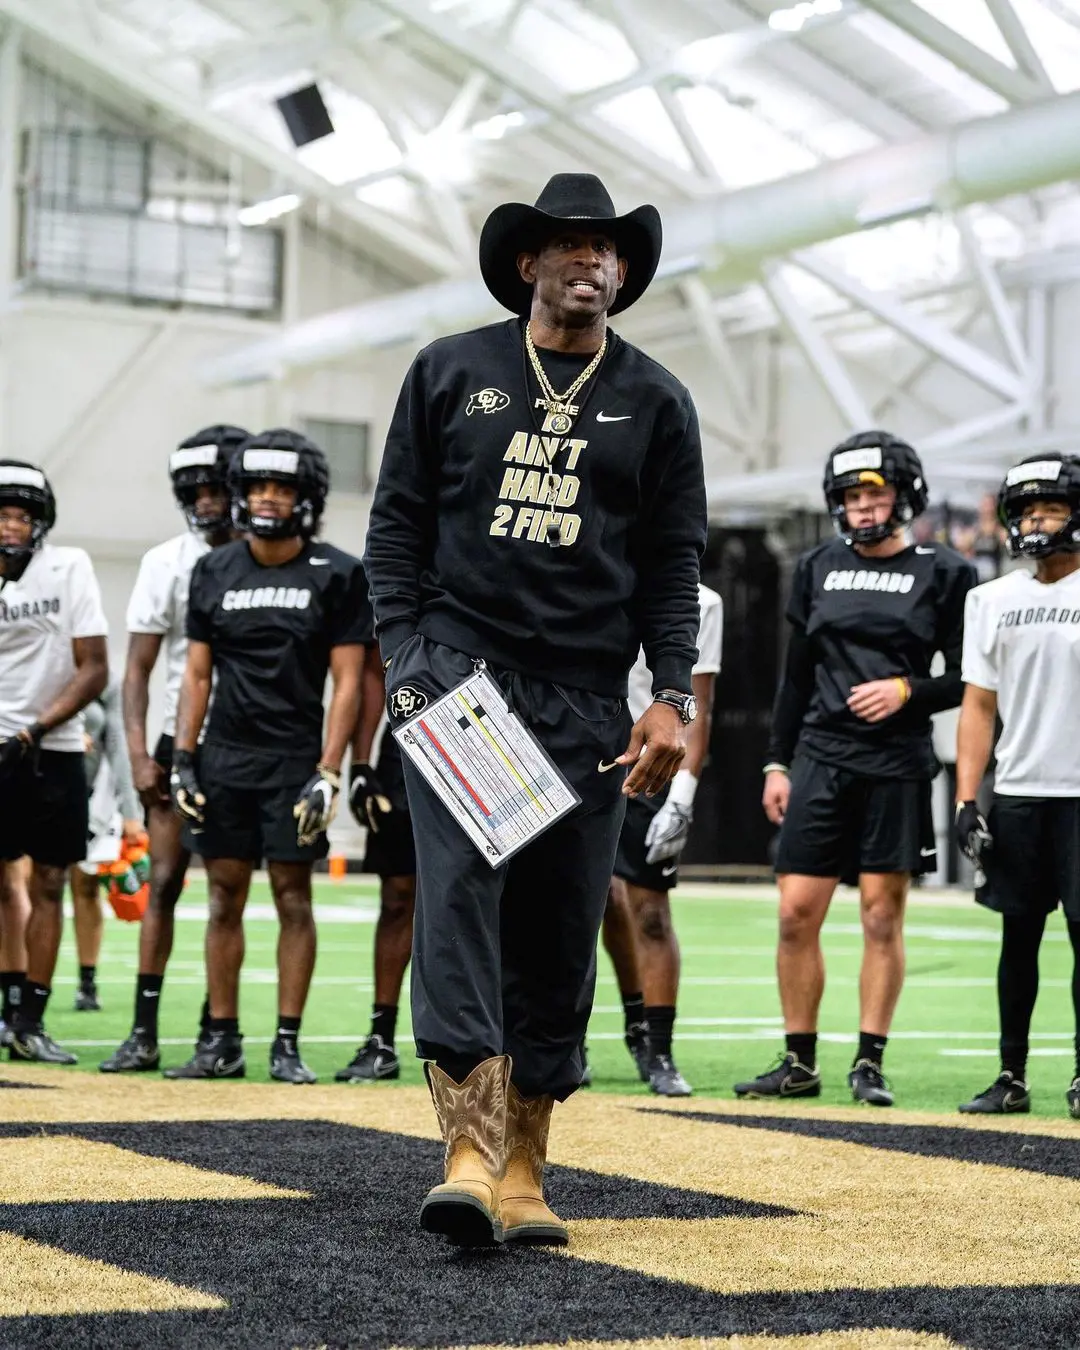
1014,1061
1074,938
225,1026
87,977
288,1030
31,1011
803,1045
204,1016
634,1018
1018,986
384,1021
871,1047
147,1002
11,982
661,1020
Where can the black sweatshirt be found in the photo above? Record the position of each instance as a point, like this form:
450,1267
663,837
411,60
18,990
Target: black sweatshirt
456,546
857,619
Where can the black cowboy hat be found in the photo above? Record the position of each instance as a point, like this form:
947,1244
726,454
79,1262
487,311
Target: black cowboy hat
570,200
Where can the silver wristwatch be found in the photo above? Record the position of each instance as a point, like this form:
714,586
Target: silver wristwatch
684,704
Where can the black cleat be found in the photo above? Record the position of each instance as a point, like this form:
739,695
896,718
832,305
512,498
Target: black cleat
637,1042
286,1066
868,1084
216,1056
1005,1096
665,1079
86,999
1073,1098
35,1046
789,1078
138,1054
373,1061
7,1031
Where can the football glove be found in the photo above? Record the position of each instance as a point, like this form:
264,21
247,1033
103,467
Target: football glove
187,796
14,749
315,807
367,801
973,835
668,831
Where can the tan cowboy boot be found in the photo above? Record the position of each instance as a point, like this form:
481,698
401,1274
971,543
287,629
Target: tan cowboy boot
525,1216
472,1117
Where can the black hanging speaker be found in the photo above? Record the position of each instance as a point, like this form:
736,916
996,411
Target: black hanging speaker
305,115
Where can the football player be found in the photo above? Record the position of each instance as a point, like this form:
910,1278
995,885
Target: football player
268,617
378,802
653,836
53,661
1022,665
850,756
106,754
156,618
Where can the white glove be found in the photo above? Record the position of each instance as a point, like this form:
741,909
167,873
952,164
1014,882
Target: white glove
670,827
315,807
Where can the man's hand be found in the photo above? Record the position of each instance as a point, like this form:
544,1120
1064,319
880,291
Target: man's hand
150,781
973,835
668,832
656,749
14,749
878,699
133,833
367,801
187,795
315,807
776,795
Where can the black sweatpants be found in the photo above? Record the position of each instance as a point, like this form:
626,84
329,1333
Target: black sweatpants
504,959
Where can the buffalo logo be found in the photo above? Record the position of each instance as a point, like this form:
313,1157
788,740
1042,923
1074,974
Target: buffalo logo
407,701
487,401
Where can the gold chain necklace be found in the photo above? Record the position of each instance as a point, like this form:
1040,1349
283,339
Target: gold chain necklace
560,408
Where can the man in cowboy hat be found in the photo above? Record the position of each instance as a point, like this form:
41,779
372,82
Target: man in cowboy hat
548,534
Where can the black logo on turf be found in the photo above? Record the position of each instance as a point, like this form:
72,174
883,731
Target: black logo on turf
487,401
407,701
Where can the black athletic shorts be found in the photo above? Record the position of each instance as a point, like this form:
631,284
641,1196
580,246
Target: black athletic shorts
163,752
248,822
630,862
1034,864
840,824
391,852
44,809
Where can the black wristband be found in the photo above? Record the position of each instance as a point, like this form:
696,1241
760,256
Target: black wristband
183,759
34,732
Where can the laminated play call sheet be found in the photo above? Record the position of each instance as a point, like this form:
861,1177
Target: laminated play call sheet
487,768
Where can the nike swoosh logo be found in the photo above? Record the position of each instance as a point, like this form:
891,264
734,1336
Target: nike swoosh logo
669,871
927,852
606,768
919,549
319,562
150,993
601,418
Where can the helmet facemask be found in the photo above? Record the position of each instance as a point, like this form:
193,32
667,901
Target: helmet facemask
27,488
1047,480
879,462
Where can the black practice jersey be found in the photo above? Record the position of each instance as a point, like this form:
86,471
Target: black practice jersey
857,619
271,630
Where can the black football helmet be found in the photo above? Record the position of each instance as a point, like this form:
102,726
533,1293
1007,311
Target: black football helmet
25,485
203,461
280,456
1051,477
874,457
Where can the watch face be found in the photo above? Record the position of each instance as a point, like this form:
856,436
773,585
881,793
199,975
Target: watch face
690,708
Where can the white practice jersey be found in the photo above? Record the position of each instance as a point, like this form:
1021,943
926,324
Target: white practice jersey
159,604
56,600
1022,640
710,640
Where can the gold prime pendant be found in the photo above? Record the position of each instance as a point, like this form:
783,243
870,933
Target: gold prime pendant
559,423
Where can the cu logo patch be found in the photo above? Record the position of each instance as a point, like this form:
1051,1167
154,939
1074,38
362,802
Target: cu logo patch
487,401
127,1230
407,701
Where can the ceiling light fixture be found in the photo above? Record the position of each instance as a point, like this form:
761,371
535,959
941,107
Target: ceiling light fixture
261,213
793,18
495,128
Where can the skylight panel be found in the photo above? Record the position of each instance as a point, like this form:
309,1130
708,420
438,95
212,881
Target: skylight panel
743,148
641,115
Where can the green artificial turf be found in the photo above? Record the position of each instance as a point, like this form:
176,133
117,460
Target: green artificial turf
729,1022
